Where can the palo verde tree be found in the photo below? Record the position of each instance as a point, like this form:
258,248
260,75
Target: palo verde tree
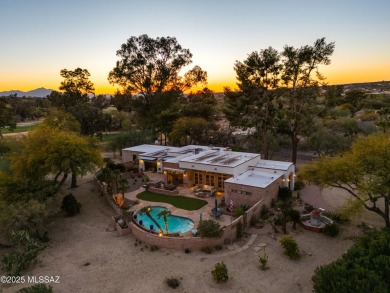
58,151
299,66
255,104
149,67
363,172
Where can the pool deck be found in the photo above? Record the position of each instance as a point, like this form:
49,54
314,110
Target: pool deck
193,215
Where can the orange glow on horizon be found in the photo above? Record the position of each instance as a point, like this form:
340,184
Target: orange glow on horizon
333,77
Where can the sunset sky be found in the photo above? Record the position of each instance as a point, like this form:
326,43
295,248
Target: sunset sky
39,38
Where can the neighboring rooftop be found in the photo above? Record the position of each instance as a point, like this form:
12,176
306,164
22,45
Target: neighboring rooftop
146,148
275,165
254,178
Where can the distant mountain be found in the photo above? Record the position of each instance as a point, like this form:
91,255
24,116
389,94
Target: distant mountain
38,93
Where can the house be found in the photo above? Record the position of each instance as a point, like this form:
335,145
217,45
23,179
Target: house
242,177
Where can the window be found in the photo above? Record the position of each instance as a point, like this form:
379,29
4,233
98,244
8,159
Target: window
207,179
241,192
212,180
198,178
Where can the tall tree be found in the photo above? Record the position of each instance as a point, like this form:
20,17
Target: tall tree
76,86
149,67
91,119
76,82
255,105
363,172
196,129
122,101
100,101
200,104
333,95
355,97
299,66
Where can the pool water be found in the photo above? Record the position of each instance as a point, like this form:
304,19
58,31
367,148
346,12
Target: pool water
175,224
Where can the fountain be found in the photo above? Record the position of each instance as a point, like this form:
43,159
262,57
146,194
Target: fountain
315,221
315,217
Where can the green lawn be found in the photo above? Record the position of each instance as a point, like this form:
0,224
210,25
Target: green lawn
20,129
182,202
111,136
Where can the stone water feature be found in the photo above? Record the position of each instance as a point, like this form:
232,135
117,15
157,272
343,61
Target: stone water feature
315,221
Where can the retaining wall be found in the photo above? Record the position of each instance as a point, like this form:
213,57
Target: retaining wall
173,242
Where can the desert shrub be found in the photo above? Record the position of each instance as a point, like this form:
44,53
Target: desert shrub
24,252
209,229
70,205
273,203
348,106
308,208
187,250
284,193
299,184
172,282
331,230
290,247
238,211
263,260
336,216
207,250
365,267
154,247
369,116
277,219
264,212
295,217
39,288
220,273
28,216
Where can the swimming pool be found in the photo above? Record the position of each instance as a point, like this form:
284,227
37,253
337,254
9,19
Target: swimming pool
175,224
